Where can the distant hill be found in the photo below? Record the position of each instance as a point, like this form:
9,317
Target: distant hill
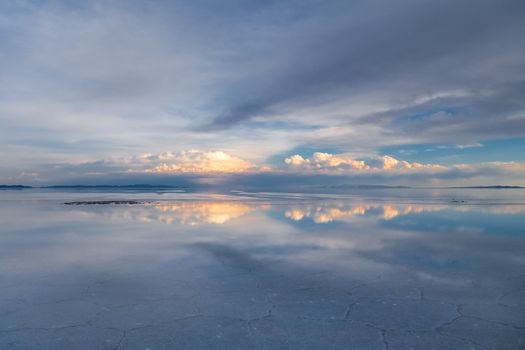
13,187
115,187
148,187
112,186
348,186
94,187
491,187
343,186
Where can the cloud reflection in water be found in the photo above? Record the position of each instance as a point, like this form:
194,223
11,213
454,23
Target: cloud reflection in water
403,267
196,213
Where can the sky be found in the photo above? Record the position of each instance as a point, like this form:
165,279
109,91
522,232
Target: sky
262,93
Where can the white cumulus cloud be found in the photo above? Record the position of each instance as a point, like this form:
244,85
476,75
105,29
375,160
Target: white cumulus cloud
194,161
327,162
391,163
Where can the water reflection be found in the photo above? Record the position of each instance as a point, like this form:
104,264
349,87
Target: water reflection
196,213
260,273
321,214
328,212
214,212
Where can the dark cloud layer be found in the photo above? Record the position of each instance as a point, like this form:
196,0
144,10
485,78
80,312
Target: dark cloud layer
396,52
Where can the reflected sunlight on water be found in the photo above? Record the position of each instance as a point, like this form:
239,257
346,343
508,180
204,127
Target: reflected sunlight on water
195,213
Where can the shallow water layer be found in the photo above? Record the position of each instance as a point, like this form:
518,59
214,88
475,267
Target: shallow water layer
373,270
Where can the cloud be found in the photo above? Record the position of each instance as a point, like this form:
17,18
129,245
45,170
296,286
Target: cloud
194,161
187,161
86,84
391,163
250,77
296,160
391,62
326,162
217,169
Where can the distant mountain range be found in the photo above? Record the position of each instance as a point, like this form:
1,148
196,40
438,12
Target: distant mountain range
158,187
13,187
349,186
493,187
137,186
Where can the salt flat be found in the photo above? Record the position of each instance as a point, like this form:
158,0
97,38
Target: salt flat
392,269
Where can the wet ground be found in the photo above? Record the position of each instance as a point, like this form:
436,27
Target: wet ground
191,271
